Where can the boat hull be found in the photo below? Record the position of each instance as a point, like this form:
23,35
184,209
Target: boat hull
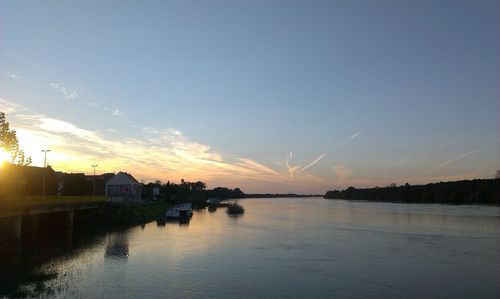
179,212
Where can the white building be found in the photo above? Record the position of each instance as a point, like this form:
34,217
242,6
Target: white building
123,188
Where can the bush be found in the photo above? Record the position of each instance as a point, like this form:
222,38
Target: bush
234,208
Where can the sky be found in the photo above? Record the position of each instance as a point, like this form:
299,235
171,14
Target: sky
268,96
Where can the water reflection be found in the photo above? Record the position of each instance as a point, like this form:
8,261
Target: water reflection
117,245
28,268
235,216
179,222
295,248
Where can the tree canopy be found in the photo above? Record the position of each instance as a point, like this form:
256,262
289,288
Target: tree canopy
483,191
10,144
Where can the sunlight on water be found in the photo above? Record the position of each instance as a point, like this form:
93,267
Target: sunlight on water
294,248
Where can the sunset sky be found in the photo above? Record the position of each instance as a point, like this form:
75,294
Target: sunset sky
268,96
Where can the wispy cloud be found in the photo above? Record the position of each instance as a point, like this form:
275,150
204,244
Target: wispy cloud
354,136
114,112
62,127
93,104
9,107
341,172
117,112
68,93
165,154
14,76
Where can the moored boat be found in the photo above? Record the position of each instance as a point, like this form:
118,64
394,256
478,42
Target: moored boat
183,211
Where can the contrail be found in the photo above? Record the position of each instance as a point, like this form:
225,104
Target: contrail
278,163
399,163
297,168
313,162
288,159
458,158
291,169
257,166
464,155
354,136
429,151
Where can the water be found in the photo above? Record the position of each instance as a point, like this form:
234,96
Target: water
302,247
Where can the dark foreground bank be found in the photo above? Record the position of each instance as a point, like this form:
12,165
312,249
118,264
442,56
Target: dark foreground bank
20,260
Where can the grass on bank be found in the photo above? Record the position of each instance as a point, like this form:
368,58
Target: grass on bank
134,213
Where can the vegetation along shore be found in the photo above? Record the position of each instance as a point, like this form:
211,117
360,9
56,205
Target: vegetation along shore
485,191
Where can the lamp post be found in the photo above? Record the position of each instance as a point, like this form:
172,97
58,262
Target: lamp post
94,166
44,171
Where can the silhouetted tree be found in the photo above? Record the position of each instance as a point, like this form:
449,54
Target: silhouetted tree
10,144
198,186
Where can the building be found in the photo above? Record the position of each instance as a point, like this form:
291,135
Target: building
27,180
123,188
100,182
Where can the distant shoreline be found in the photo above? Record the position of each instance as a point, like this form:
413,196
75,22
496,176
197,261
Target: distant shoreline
279,195
480,191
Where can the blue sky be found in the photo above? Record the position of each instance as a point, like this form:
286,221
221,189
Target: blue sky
250,93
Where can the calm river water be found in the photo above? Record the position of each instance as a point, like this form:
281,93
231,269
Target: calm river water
301,247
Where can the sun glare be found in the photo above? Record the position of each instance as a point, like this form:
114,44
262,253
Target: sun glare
4,157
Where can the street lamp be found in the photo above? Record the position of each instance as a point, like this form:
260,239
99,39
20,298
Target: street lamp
44,171
94,166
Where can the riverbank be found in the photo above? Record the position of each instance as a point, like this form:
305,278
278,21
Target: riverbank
486,191
123,215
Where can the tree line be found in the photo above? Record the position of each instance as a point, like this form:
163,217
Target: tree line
185,191
480,191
